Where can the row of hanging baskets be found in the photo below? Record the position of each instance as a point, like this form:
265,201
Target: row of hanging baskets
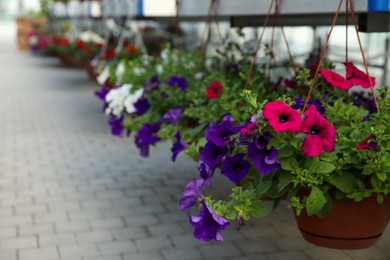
311,139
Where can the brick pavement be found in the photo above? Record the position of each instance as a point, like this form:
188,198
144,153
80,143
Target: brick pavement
68,190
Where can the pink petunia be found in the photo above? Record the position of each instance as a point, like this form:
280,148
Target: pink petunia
369,144
282,117
321,133
336,80
358,77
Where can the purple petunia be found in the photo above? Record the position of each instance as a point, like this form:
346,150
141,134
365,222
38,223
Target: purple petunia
359,99
299,103
142,106
236,167
147,136
178,147
179,82
221,133
101,93
152,84
209,158
191,194
265,160
173,116
116,124
208,224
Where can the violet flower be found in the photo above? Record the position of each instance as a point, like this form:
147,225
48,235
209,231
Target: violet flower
178,147
191,194
152,84
221,133
210,156
208,224
173,116
265,160
142,106
147,136
101,93
179,82
299,104
116,124
236,167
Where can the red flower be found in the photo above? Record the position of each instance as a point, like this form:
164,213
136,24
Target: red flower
291,83
131,49
336,80
56,39
88,51
282,117
80,44
321,133
367,145
249,129
358,77
64,42
109,54
214,90
98,45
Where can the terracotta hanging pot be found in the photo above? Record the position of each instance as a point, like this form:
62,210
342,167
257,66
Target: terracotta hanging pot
350,225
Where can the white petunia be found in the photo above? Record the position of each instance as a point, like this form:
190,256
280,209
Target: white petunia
116,99
102,78
139,71
131,100
120,70
159,68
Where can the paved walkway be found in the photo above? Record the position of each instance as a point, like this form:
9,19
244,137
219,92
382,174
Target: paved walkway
68,190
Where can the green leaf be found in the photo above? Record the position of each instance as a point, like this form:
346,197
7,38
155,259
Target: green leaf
315,202
259,209
311,163
284,180
289,164
328,157
369,169
263,187
379,198
323,167
382,175
345,182
327,209
285,152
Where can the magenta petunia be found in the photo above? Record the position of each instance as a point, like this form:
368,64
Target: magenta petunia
282,117
369,144
336,80
358,77
321,134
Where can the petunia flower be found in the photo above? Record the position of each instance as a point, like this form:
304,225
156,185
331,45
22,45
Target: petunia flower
336,80
173,116
152,84
220,133
208,224
321,133
249,130
191,194
142,106
80,44
116,124
292,84
109,54
179,146
101,93
131,49
282,117
358,77
179,82
210,156
369,144
265,160
299,104
214,90
147,136
236,167
64,42
131,99
116,98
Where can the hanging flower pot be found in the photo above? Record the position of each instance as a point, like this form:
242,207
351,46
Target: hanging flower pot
350,225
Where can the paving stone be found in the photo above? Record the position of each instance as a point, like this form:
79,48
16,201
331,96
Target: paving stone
36,229
141,220
94,237
182,253
57,240
144,256
166,229
8,254
49,253
129,233
7,232
116,247
28,210
85,250
153,244
219,250
72,227
108,257
287,255
18,243
106,224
